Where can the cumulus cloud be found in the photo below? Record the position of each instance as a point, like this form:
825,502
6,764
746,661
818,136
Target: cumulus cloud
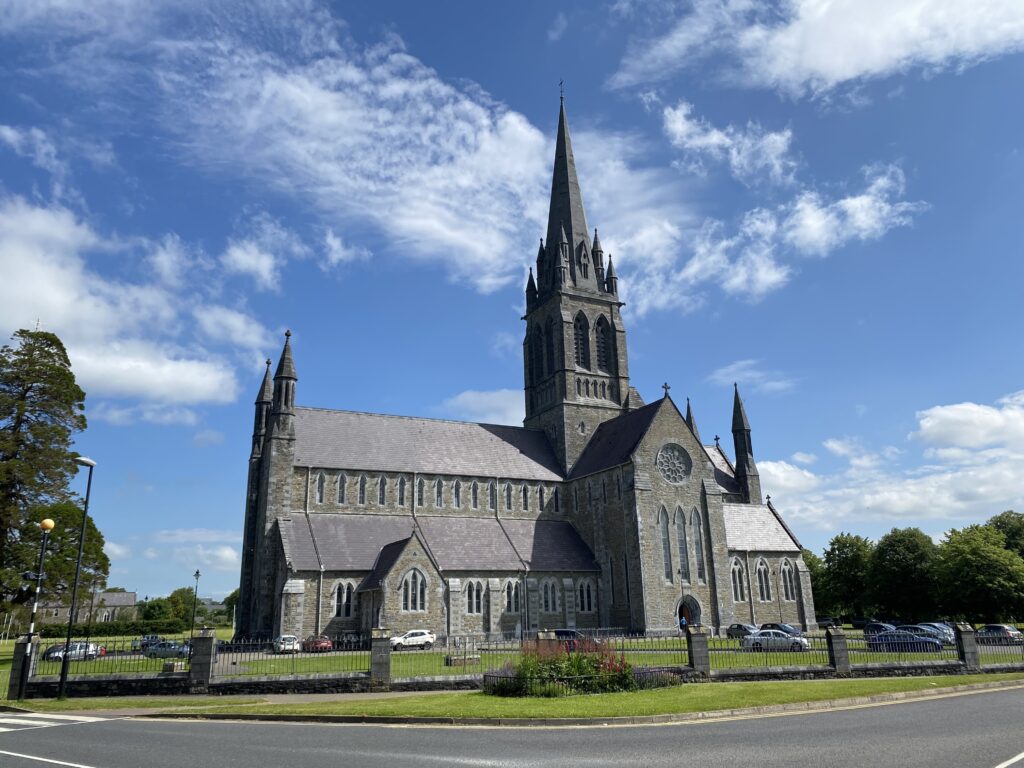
217,558
807,47
750,373
752,152
196,535
222,324
116,551
336,251
262,251
499,406
802,457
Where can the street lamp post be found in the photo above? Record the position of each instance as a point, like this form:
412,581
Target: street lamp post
195,603
65,661
46,526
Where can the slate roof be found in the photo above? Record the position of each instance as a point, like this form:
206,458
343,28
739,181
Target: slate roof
724,473
345,542
382,443
754,527
469,544
550,545
614,441
117,599
385,559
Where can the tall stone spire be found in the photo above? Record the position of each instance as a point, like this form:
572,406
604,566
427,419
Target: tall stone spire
566,200
263,402
266,394
691,421
284,392
746,469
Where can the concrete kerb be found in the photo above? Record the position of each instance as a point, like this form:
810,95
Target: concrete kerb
671,718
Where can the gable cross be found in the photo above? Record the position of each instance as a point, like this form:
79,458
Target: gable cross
666,387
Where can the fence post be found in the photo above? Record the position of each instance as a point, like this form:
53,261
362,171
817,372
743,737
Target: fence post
204,655
21,658
838,651
380,660
967,645
697,647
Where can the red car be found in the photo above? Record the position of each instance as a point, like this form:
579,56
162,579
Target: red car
317,644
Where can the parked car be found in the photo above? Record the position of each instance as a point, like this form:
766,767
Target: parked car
824,622
317,644
877,627
859,622
287,644
774,640
142,643
572,638
740,630
896,641
168,649
789,629
414,638
75,652
948,636
924,630
999,634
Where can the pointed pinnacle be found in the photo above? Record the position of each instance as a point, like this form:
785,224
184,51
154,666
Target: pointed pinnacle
739,413
286,366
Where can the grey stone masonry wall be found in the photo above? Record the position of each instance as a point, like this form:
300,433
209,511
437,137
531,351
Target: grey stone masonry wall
392,616
697,648
967,645
20,659
838,652
380,661
204,655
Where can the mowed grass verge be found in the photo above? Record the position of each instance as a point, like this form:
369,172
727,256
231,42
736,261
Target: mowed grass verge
678,700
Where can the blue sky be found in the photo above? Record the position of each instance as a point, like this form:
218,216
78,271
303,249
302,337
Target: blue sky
819,201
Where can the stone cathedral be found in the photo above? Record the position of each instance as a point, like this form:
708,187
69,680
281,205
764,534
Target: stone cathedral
601,511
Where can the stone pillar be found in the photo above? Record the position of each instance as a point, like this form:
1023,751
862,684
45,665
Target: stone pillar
456,607
532,605
838,652
293,600
380,660
495,607
21,659
697,646
568,604
967,645
204,656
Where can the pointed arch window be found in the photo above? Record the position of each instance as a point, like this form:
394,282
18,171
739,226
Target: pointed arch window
512,597
345,601
698,546
457,494
666,543
492,495
764,583
558,503
321,481
788,582
603,344
739,592
439,493
382,491
584,263
342,481
474,597
542,499
526,497
585,596
401,491
362,489
475,495
549,346
414,591
508,496
549,596
684,551
421,487
581,342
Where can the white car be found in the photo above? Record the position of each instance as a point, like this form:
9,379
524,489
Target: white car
774,640
414,638
287,644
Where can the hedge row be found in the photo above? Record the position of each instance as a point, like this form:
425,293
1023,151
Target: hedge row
115,628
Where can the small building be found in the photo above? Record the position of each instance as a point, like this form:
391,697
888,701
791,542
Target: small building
97,608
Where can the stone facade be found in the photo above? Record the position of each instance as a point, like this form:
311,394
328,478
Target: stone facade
601,512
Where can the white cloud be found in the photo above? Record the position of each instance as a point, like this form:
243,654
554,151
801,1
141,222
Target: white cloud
972,425
752,152
749,373
217,558
34,144
152,413
780,478
208,437
505,345
116,551
558,27
197,535
810,47
802,457
150,553
499,406
263,251
238,329
336,251
171,260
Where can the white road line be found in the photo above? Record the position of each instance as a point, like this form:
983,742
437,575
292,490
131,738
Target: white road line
24,721
73,718
45,760
1011,761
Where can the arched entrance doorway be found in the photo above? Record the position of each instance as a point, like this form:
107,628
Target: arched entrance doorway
690,610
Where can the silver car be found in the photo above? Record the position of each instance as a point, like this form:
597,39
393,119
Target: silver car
773,640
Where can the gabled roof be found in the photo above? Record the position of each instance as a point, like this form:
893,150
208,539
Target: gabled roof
614,441
469,544
550,545
345,542
381,443
756,528
725,475
386,558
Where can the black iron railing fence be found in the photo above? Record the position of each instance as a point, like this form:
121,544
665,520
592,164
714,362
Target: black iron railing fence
345,654
115,656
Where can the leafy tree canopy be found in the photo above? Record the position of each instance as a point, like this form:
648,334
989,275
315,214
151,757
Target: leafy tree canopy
1011,525
978,577
846,561
899,574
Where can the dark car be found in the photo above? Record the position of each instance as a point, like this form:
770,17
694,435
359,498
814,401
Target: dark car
572,638
999,634
789,629
740,630
877,627
924,630
859,622
824,622
896,641
317,644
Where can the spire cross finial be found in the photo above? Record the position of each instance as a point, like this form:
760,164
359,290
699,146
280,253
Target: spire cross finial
561,89
268,362
666,387
717,438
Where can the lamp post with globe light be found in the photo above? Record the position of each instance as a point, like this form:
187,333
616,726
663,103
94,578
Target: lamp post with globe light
46,526
195,603
65,661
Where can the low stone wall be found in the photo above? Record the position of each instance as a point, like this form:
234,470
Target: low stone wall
78,686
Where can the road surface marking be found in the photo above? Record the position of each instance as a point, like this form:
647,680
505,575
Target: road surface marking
24,721
1011,761
73,718
45,760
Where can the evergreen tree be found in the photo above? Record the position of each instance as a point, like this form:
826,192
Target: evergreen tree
900,575
41,407
846,567
978,577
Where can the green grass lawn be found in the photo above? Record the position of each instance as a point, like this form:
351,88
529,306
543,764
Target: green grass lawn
680,699
135,702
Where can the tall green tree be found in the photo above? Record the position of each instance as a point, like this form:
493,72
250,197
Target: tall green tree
62,555
846,566
41,407
231,601
900,576
823,603
181,601
978,577
1011,525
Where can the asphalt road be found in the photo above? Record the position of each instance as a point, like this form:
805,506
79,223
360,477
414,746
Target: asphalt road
983,729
